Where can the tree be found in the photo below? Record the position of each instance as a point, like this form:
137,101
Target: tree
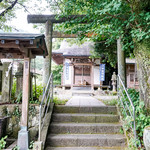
7,11
107,20
57,70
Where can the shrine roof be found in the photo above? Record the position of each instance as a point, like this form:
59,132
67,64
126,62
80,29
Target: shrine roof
74,50
18,45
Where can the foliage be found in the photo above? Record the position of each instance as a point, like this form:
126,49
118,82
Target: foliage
16,148
36,93
31,145
17,113
7,12
57,101
57,70
13,91
106,22
3,142
112,102
37,63
32,110
142,116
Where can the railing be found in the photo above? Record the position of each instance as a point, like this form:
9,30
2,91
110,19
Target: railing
45,103
126,104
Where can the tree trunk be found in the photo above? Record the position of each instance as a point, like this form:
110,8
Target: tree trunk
142,54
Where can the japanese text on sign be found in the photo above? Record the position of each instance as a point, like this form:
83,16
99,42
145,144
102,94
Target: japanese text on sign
67,71
102,72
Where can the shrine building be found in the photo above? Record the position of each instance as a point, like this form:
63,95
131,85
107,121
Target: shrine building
80,71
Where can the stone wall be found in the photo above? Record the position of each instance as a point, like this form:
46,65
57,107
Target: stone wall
14,113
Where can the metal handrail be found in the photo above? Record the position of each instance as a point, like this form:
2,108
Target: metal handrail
45,103
126,106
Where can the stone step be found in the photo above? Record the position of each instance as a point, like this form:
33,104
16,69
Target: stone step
90,118
85,148
84,128
86,109
85,140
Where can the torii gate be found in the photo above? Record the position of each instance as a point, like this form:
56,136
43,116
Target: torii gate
49,20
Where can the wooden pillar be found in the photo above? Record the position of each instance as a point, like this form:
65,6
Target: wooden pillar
26,92
23,136
47,60
121,61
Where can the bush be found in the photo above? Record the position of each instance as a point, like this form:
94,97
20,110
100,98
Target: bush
3,142
142,117
59,102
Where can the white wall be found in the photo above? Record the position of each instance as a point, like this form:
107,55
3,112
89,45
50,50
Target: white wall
96,75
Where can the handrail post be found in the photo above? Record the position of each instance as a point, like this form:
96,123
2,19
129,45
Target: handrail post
120,83
43,110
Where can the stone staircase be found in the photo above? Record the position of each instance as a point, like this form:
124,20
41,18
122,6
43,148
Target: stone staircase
85,128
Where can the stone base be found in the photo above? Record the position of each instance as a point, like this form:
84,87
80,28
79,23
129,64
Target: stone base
146,137
38,145
23,139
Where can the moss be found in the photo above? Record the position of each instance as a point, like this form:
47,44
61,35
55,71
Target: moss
57,101
110,102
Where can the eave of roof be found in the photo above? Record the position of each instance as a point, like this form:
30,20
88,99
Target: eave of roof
20,36
18,44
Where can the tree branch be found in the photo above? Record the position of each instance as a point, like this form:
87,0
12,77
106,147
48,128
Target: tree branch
24,7
9,8
58,6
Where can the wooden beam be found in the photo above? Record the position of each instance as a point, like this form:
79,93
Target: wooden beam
10,56
57,34
53,18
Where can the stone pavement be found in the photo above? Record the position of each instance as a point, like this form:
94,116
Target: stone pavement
84,101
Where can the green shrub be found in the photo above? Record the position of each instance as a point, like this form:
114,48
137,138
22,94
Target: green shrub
57,101
110,102
57,69
3,142
37,92
142,116
13,90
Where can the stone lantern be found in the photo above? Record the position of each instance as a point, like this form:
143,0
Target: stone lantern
114,79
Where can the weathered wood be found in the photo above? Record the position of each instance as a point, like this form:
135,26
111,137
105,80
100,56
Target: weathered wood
53,18
121,61
26,92
47,60
10,56
57,34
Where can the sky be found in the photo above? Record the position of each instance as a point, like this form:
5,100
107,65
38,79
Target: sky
20,22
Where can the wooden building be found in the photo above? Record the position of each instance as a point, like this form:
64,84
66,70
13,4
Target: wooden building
131,74
82,72
79,70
